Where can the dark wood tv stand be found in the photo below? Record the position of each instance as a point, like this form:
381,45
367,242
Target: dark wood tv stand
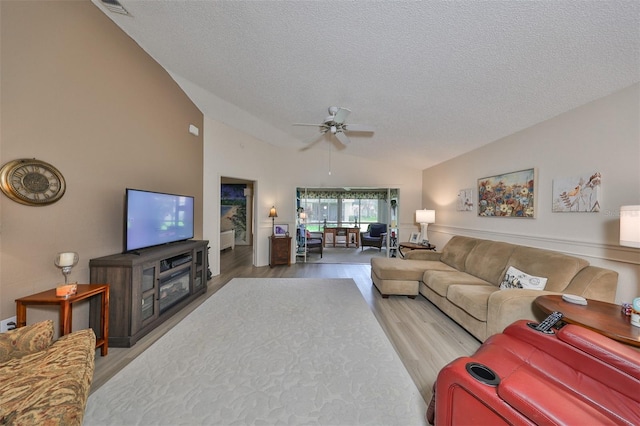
149,286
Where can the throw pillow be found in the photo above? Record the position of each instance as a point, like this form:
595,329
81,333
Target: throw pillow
26,340
514,278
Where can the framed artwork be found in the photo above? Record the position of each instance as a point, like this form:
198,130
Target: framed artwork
507,195
577,194
415,238
280,230
465,200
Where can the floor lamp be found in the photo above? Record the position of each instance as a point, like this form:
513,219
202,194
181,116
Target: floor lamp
424,218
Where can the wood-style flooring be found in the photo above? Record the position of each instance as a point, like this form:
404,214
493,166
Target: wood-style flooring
424,337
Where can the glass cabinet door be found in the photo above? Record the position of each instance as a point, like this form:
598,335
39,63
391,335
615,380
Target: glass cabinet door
198,274
149,309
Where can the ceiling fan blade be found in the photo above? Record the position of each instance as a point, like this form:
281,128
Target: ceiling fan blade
341,115
344,140
307,124
359,128
310,142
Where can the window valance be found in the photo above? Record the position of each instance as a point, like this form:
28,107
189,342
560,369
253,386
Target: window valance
356,194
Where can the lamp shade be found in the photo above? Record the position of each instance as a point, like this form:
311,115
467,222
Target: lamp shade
630,226
273,212
425,216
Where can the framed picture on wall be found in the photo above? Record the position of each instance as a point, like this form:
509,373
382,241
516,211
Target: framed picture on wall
507,195
465,200
577,193
280,230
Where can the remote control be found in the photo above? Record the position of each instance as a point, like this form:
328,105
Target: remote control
549,321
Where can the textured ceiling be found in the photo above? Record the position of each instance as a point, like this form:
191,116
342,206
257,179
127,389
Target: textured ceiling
435,78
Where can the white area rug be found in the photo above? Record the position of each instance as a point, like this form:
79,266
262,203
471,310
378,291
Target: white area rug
266,351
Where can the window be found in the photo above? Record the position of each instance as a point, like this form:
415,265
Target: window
343,208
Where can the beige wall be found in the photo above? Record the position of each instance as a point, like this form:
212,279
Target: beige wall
80,94
602,136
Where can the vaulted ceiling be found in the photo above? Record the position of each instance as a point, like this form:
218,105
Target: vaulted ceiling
435,78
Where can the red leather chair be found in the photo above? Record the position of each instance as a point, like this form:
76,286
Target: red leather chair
523,377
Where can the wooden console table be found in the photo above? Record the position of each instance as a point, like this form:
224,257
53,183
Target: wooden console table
601,317
351,234
85,291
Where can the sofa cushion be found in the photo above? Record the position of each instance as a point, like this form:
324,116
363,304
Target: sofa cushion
473,299
403,269
544,401
488,260
456,250
26,340
596,283
49,387
439,281
558,268
515,278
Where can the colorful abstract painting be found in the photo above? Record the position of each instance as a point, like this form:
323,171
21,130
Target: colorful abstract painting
577,194
507,195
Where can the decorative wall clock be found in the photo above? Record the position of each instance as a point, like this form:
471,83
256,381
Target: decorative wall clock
32,182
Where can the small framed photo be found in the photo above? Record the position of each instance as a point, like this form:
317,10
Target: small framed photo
425,242
415,238
281,230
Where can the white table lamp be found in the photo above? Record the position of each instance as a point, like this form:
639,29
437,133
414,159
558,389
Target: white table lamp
630,237
424,218
630,226
66,261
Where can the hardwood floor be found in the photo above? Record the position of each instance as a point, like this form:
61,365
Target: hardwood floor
424,337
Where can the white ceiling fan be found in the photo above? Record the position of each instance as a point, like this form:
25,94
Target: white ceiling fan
335,125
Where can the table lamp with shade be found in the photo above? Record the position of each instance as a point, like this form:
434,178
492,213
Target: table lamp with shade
66,261
630,237
273,214
424,218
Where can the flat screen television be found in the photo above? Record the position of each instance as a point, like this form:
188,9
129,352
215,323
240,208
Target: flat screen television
155,218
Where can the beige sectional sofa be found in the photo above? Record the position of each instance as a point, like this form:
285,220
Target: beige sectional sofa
43,382
463,280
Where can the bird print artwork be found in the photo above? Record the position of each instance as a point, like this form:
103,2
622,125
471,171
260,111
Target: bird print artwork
577,194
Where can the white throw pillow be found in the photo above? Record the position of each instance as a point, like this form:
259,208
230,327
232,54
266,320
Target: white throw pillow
514,278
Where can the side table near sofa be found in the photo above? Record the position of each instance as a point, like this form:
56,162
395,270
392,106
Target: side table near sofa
85,291
601,317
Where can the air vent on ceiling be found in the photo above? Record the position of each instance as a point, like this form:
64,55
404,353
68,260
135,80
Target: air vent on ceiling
115,6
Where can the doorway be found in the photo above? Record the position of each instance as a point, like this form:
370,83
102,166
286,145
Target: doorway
237,218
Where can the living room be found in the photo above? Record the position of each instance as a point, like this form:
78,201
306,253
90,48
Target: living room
82,93
79,93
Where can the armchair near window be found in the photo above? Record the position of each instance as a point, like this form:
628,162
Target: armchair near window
375,236
310,240
314,242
